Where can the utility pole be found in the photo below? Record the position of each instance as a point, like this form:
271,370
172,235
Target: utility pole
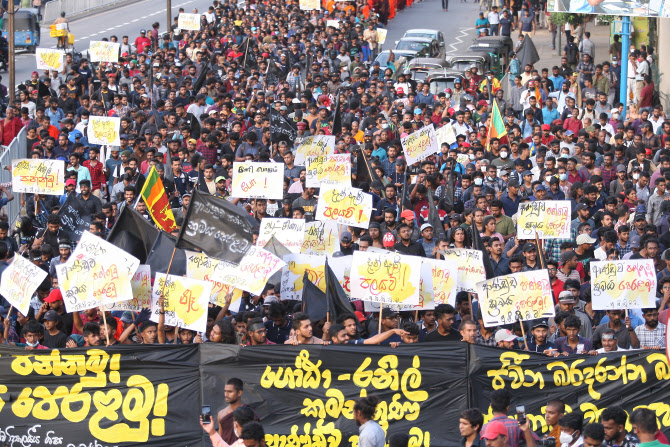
11,66
169,17
625,45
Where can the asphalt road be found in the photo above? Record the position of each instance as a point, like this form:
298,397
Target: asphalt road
457,25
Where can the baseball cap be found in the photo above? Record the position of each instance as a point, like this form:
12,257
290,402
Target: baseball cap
529,247
569,132
639,216
71,182
540,323
407,214
567,256
494,428
387,313
54,295
566,297
585,239
582,206
546,127
389,240
345,236
127,317
219,178
634,241
503,335
52,315
269,300
621,168
426,225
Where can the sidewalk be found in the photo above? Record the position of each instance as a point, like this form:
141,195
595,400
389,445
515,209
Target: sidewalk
600,35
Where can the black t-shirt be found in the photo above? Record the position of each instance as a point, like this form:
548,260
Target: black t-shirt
54,341
453,335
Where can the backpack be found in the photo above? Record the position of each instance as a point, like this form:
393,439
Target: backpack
573,51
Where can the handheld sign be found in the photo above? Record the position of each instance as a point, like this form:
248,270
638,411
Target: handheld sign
19,282
185,302
549,218
252,273
293,273
48,59
308,5
328,170
190,22
517,297
341,267
385,278
445,134
313,146
420,144
258,180
97,273
426,296
627,284
444,276
104,130
470,268
141,286
320,238
348,206
38,176
99,51
289,232
200,266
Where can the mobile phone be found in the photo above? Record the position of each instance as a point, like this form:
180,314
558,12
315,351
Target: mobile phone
206,414
521,414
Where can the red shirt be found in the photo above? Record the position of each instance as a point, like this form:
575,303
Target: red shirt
97,176
646,95
142,42
10,129
556,289
572,124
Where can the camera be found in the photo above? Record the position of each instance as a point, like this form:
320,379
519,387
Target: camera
547,442
521,414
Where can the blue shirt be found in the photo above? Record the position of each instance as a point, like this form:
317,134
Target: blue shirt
510,206
482,23
557,81
381,153
548,116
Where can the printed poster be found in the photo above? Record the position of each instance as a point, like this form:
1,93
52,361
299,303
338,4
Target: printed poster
550,219
258,180
104,130
289,232
328,170
627,284
186,301
392,278
347,206
38,176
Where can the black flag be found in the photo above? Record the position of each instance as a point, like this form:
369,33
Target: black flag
337,116
161,253
434,216
73,218
217,228
314,300
477,244
281,129
364,173
134,234
200,81
337,301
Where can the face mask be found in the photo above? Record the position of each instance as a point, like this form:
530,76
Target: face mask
565,438
84,121
503,154
615,63
490,179
479,181
546,179
32,345
636,176
448,95
563,177
471,156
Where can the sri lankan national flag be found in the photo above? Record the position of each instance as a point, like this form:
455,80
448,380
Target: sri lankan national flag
153,194
497,127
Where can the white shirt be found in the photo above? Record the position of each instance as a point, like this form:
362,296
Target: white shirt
642,69
494,18
371,434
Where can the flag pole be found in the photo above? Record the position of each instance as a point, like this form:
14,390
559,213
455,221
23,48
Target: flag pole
104,320
381,308
537,241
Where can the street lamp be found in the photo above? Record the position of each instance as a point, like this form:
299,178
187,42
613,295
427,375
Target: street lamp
11,65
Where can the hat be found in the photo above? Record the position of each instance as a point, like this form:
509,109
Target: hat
566,297
302,125
546,127
54,295
345,236
127,317
389,240
143,31
525,173
567,256
219,178
585,239
269,300
539,323
426,225
495,428
621,168
639,216
400,90
377,185
569,132
71,182
502,335
407,214
360,316
529,247
541,188
52,315
127,153
582,206
388,313
641,208
634,241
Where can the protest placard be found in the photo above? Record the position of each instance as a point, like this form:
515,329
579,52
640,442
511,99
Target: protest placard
381,35
293,272
99,51
420,144
549,218
190,22
258,180
309,5
97,273
252,273
516,297
426,297
104,130
289,232
445,134
470,268
49,59
185,302
334,23
38,176
348,206
202,267
313,146
141,287
629,284
391,278
444,275
341,267
19,281
321,238
328,170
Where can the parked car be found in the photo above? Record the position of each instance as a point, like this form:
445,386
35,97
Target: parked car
421,46
429,33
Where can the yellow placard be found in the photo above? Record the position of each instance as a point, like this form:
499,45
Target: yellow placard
385,278
328,170
470,268
100,51
420,144
517,297
186,301
313,146
294,271
104,130
550,219
201,266
309,5
321,238
188,21
444,275
348,206
19,282
38,176
49,59
141,286
629,284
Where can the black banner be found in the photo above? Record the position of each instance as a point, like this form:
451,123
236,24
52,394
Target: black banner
134,234
217,228
281,129
304,395
73,218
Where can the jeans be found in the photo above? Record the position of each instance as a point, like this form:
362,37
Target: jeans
493,31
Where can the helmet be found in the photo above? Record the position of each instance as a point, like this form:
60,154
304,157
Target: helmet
448,90
333,54
458,81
